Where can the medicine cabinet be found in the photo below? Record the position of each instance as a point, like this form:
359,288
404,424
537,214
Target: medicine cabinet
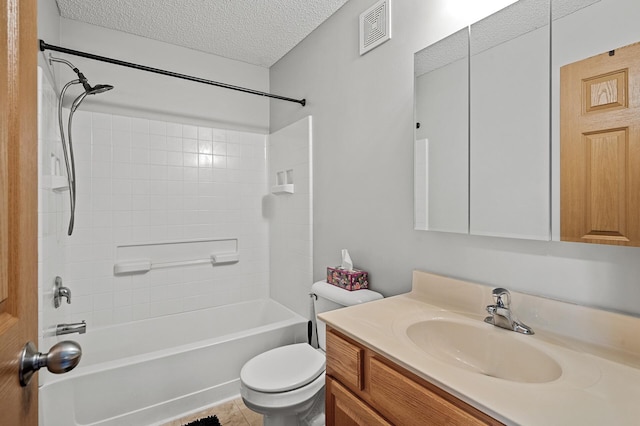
483,108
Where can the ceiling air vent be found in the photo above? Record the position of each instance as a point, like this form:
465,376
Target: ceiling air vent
375,26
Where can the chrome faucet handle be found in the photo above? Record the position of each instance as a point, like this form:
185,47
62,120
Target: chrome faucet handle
59,292
502,297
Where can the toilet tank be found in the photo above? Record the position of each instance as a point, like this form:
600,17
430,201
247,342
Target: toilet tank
329,297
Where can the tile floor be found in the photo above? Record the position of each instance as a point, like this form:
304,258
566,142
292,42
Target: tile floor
230,413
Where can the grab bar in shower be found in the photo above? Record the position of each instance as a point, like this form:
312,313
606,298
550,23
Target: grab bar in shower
145,265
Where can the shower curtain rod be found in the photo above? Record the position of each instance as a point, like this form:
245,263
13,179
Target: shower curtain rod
44,46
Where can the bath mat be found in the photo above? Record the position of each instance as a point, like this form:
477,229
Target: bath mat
207,421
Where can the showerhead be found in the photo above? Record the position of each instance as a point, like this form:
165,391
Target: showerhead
99,88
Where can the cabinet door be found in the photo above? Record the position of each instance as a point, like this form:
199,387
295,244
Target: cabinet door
345,361
509,173
408,403
345,409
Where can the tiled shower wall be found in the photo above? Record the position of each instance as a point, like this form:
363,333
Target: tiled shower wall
145,181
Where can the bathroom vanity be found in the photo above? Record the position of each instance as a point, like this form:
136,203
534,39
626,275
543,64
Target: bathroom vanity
427,357
359,379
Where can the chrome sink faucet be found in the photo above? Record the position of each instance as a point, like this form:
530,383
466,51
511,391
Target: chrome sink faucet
501,314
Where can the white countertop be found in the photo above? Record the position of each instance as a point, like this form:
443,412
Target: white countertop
600,381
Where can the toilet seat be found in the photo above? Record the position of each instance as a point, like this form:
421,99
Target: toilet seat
283,369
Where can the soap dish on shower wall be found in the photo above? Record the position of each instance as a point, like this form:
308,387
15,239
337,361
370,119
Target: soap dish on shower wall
284,182
282,189
56,183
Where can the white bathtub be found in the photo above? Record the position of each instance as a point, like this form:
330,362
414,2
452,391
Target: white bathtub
149,372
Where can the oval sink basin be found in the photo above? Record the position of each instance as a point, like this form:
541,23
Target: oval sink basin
484,349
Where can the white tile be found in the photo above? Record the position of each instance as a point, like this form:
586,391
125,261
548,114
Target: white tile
140,296
157,127
174,144
100,121
219,148
139,203
189,132
157,157
174,129
157,172
140,125
205,133
122,187
122,202
101,318
190,160
140,312
205,160
81,119
101,219
140,156
175,173
219,135
157,309
205,147
101,170
190,174
205,175
139,218
158,187
121,154
140,141
121,123
140,187
101,153
102,301
101,137
123,170
190,145
122,235
140,234
140,171
121,219
174,158
100,186
174,188
219,161
158,142
122,315
122,298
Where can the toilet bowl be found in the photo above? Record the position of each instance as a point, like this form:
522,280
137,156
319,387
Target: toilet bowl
286,384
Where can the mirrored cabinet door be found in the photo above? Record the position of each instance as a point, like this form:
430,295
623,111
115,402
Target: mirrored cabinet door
509,122
442,135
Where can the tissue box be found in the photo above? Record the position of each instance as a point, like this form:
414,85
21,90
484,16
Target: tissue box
349,280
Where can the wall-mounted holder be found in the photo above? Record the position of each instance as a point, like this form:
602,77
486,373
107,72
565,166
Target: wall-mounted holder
56,183
284,182
141,258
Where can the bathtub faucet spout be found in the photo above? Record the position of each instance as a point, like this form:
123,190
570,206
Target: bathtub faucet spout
77,327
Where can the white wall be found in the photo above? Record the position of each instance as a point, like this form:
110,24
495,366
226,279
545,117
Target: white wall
159,97
290,217
363,148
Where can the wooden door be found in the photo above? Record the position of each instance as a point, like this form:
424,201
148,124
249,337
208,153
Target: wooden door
600,148
18,207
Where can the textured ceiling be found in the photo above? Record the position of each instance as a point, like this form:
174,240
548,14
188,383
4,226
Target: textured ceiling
255,31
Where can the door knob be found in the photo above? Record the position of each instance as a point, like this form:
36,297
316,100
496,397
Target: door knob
62,357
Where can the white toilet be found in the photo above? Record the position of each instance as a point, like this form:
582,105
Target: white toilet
286,384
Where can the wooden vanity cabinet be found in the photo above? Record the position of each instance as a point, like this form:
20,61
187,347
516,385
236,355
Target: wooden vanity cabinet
365,388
